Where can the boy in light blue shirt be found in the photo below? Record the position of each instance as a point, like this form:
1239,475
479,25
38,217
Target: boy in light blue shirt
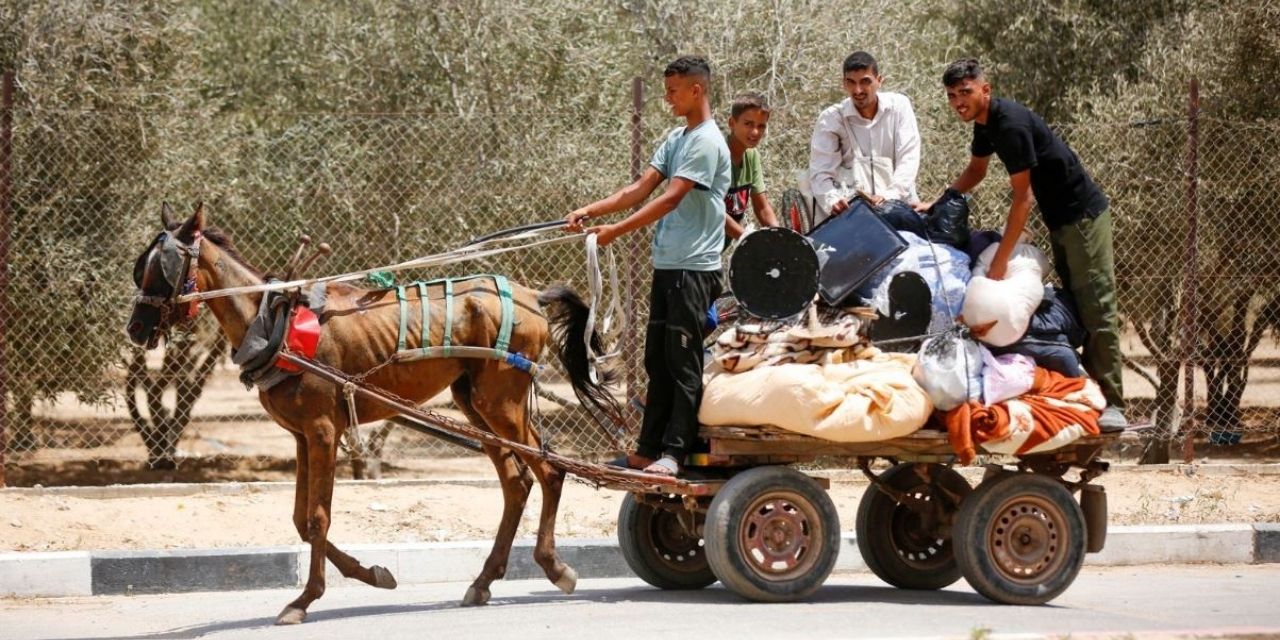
694,161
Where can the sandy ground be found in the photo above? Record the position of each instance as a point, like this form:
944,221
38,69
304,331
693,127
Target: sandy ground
260,514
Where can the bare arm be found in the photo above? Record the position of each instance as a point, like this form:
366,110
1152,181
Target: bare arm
1019,211
648,214
973,174
624,198
732,229
764,210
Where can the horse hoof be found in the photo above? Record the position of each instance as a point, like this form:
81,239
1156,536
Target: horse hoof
291,615
476,597
568,580
382,578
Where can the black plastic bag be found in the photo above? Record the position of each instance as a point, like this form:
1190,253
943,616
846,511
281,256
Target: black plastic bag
948,219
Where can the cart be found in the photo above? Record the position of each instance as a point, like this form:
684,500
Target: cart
770,533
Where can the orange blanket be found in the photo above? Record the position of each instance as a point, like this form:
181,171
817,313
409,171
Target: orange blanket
1055,412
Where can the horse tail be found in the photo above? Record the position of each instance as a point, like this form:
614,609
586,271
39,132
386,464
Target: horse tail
567,315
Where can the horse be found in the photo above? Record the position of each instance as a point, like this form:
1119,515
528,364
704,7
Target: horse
359,331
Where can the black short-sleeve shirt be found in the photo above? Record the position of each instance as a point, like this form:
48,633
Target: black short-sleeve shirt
1063,189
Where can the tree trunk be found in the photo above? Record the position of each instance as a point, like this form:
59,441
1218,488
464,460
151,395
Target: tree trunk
161,429
1226,369
1164,415
22,436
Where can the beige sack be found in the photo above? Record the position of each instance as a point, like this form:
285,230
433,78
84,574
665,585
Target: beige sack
861,401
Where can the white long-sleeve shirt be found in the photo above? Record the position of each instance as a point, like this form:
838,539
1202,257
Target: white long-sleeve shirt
891,134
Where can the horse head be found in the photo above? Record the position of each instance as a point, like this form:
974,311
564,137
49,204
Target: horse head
165,271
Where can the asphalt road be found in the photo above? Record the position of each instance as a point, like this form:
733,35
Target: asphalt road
1127,602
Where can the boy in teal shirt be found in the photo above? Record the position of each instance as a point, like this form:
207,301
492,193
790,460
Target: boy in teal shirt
690,214
748,118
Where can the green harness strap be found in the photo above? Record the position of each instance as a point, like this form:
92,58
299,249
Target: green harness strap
508,312
423,302
505,297
448,317
404,317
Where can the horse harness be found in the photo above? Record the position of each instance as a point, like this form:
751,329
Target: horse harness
178,264
500,349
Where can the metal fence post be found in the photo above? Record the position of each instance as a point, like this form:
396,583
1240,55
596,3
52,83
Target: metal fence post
1189,288
631,347
6,213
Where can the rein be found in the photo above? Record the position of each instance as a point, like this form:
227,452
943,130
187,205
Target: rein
613,320
474,251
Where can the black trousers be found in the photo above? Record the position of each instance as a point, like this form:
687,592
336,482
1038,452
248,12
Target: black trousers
678,304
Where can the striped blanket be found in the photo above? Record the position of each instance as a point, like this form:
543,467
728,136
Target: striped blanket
747,346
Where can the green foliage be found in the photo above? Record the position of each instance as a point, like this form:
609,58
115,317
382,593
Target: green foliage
79,180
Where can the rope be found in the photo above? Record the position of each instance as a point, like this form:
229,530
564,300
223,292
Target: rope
613,311
470,252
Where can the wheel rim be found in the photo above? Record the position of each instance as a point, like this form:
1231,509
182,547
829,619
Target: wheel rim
1029,539
781,536
916,546
672,544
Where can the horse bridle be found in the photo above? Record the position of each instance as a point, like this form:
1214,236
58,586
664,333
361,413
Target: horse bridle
178,264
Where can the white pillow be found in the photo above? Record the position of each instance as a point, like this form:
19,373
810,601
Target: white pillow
1010,302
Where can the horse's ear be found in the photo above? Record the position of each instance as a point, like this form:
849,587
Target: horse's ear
166,215
193,225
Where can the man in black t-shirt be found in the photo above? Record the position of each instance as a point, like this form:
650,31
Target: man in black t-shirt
1040,164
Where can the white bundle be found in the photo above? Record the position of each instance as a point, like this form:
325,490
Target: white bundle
1009,303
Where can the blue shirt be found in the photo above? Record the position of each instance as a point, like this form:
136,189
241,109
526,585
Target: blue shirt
691,236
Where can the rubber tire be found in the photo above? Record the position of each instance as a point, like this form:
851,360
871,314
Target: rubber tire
728,514
874,528
642,548
980,511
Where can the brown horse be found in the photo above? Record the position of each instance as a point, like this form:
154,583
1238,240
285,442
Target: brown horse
359,331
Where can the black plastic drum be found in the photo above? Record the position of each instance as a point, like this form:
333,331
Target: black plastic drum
774,273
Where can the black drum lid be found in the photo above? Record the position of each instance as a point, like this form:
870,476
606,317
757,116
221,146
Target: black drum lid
774,273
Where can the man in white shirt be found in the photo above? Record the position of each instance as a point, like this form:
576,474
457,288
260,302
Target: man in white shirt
867,142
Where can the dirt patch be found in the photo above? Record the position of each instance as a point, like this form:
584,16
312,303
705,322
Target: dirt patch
257,515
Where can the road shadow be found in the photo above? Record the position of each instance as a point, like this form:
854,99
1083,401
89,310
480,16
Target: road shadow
715,596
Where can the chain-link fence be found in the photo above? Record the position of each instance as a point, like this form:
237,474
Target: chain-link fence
1193,201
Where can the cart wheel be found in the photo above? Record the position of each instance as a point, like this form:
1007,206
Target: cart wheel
1020,538
901,545
659,549
772,534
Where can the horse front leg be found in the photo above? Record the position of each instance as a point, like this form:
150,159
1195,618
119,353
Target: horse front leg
347,565
318,449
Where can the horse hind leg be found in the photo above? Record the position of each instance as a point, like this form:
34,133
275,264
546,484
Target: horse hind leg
516,482
500,397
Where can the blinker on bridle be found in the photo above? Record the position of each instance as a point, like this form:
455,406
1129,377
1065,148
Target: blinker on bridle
178,263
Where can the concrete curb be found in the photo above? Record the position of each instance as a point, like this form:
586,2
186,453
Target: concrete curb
82,573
